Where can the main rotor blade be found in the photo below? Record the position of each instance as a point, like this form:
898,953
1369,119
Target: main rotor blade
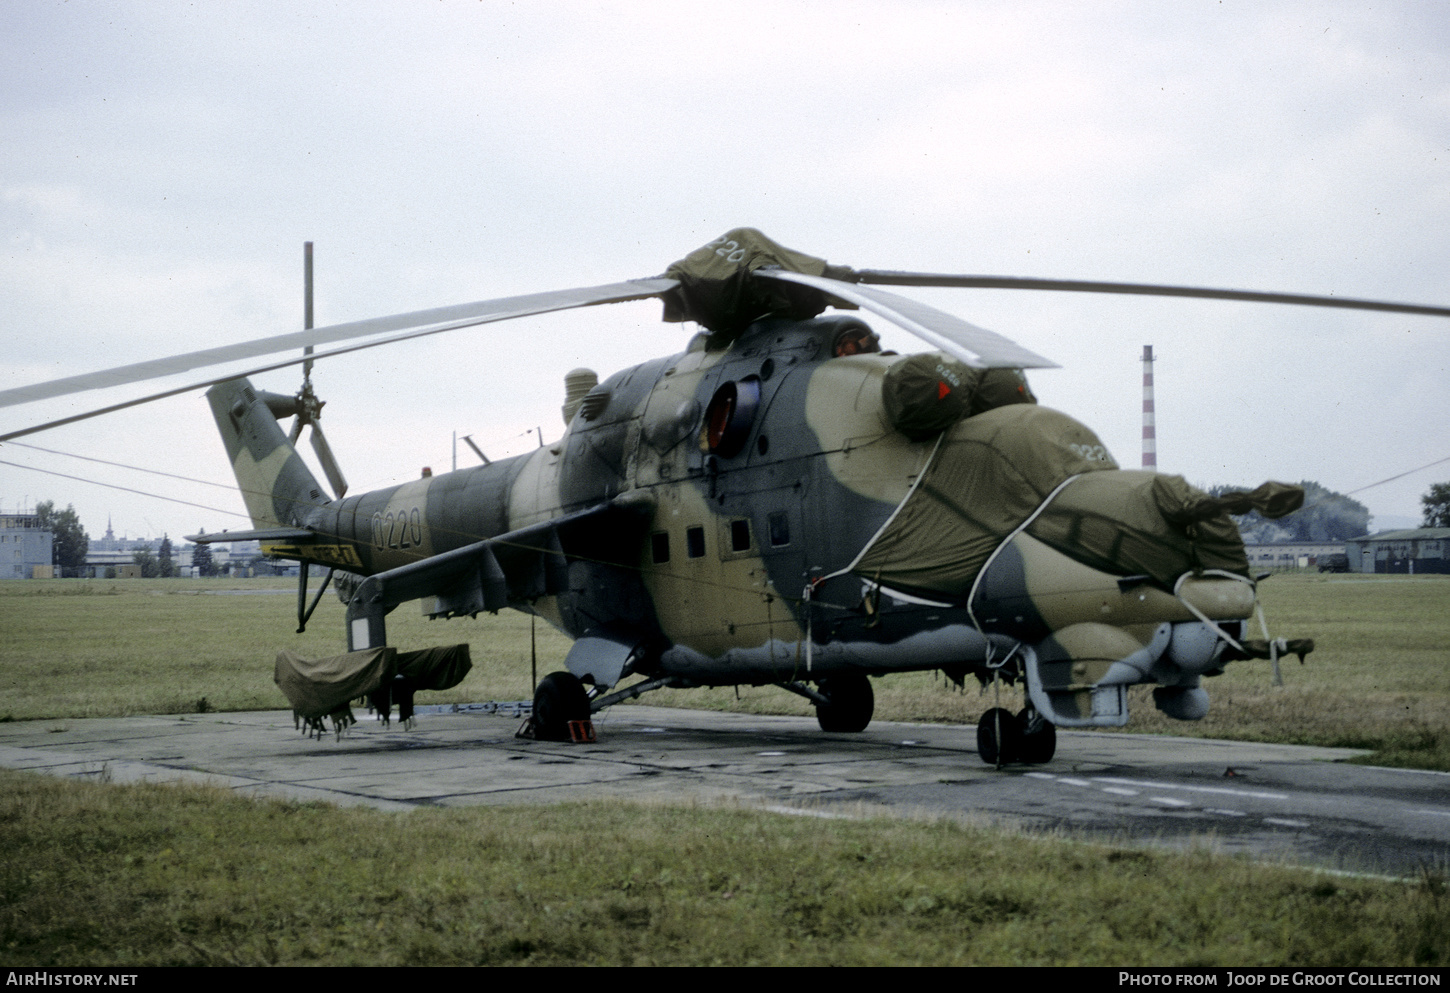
886,277
977,347
431,321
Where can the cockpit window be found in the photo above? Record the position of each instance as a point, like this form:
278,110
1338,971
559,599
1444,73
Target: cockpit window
858,340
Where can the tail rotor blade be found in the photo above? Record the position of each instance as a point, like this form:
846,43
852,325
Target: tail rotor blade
335,478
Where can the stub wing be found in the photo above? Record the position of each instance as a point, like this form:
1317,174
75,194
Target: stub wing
486,575
506,570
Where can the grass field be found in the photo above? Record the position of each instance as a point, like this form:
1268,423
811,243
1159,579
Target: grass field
156,875
94,874
1379,679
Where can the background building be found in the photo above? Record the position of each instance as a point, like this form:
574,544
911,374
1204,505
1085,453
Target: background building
1289,554
1417,550
26,551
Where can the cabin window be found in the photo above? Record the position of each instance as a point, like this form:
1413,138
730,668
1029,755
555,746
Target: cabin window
779,526
660,546
740,536
695,542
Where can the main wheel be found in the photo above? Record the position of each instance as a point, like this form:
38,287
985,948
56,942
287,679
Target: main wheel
999,737
1039,737
849,703
559,699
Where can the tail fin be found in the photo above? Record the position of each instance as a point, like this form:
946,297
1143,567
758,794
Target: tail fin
279,489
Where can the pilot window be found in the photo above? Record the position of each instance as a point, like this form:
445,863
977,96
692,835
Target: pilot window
695,542
740,536
856,340
660,546
779,529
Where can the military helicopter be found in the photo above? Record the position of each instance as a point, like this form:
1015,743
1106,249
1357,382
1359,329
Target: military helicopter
780,503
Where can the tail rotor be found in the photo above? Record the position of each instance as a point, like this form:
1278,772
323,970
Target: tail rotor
308,406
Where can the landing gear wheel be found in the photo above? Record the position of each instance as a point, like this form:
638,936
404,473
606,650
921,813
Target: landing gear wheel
1039,737
559,699
850,703
999,737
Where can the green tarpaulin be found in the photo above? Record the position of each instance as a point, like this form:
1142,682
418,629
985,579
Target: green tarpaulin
993,471
925,394
715,289
317,688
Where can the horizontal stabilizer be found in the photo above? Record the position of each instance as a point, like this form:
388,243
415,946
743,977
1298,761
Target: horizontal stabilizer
295,535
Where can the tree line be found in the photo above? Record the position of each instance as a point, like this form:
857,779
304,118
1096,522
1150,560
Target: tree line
70,544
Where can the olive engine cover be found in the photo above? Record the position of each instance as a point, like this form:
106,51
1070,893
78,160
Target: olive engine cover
926,394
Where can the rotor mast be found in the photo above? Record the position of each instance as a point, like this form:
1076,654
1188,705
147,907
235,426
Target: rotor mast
1150,438
307,304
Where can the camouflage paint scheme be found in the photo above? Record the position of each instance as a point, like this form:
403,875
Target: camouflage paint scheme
664,559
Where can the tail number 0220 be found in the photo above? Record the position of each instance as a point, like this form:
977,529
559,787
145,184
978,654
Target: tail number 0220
403,529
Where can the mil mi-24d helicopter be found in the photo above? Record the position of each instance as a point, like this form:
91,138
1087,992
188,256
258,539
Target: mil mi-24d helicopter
780,503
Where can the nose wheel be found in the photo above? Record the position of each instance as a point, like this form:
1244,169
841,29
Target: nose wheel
1004,738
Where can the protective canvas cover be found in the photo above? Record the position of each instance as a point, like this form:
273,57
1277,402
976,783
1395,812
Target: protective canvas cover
992,471
989,473
1134,522
924,394
715,289
999,387
1272,500
440,668
317,688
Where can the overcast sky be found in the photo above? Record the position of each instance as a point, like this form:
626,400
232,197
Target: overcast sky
162,164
